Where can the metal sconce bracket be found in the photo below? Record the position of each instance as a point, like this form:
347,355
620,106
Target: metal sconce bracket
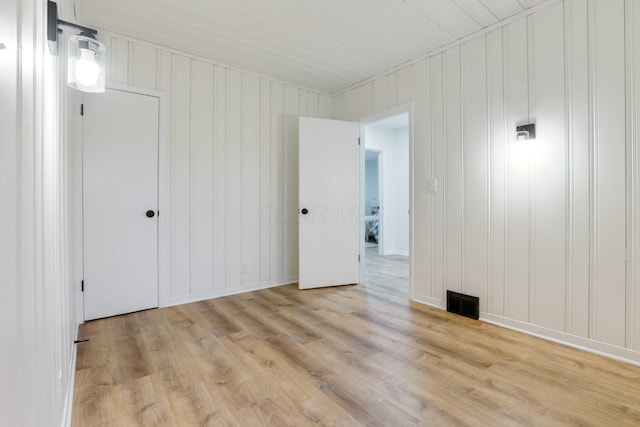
525,132
53,23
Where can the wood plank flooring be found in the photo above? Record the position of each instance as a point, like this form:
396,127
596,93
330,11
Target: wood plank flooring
347,356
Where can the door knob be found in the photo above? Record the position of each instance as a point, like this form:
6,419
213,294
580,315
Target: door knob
304,211
150,214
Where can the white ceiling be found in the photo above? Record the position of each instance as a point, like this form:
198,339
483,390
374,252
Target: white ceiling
325,45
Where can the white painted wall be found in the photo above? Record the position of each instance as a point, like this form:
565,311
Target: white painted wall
234,168
540,237
394,145
37,317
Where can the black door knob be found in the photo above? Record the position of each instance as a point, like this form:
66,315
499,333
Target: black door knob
150,214
305,211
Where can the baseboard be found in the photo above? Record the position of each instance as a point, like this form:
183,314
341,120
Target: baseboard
186,299
396,252
611,351
607,350
431,302
68,401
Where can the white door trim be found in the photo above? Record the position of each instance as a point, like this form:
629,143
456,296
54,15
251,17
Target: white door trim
405,108
164,193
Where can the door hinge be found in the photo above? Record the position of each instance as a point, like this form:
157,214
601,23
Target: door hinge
358,140
82,286
358,258
82,109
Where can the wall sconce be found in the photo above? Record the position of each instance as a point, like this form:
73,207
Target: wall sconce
526,132
85,63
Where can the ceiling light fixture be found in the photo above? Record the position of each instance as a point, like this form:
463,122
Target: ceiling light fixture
85,63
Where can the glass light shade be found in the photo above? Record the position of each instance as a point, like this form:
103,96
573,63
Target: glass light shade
85,67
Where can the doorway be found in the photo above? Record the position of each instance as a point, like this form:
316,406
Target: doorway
386,204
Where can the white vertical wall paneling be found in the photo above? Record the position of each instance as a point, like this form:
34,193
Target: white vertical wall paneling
379,94
263,215
366,99
533,154
10,355
552,216
37,301
201,177
163,80
219,178
234,193
163,71
142,65
119,61
547,93
392,89
324,107
31,214
475,149
438,172
516,106
106,40
229,173
337,109
633,187
384,92
497,170
312,104
608,139
251,235
291,113
276,205
302,106
453,179
404,85
351,105
180,175
577,119
422,202
630,156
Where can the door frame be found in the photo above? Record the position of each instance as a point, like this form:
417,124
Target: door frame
164,191
405,108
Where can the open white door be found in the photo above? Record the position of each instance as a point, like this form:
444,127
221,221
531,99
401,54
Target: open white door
329,217
120,193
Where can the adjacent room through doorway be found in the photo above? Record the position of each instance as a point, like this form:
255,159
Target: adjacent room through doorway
372,175
386,202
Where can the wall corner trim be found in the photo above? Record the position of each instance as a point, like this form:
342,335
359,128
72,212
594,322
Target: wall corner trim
67,413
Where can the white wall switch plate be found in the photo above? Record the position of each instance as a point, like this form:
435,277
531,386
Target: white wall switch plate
432,185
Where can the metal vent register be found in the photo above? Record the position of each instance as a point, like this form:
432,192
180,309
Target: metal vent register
464,305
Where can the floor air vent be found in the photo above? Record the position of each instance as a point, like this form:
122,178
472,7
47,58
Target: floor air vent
464,305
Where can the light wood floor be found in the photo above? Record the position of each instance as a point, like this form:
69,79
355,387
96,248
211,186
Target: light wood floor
348,356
